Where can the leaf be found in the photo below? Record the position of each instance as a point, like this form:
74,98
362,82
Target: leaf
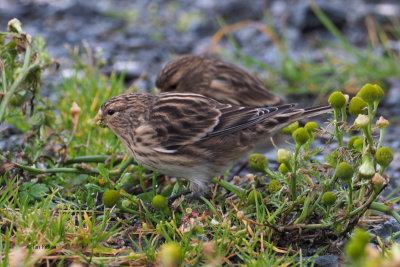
39,190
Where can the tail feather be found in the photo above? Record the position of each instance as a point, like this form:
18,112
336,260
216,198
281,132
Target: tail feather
293,114
315,111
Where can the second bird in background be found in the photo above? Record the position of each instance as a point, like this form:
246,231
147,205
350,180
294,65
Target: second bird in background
214,78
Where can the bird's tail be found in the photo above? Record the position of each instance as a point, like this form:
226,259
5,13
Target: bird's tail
315,111
294,114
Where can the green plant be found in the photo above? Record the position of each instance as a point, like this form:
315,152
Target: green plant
22,60
258,162
300,173
110,198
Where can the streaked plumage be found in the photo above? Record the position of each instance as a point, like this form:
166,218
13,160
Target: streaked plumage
217,79
190,135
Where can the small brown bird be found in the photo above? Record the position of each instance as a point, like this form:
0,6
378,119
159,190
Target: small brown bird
190,135
217,79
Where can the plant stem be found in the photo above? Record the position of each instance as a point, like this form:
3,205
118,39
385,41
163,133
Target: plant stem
305,211
350,203
337,130
122,208
344,114
3,75
21,77
381,136
385,209
60,170
86,159
367,134
294,173
366,203
126,164
376,103
371,118
55,170
327,212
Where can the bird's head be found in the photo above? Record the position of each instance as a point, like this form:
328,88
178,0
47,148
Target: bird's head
123,112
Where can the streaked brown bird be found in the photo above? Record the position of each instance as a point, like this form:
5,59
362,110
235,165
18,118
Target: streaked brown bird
192,136
216,79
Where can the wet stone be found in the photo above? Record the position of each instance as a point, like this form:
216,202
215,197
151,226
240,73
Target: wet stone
305,19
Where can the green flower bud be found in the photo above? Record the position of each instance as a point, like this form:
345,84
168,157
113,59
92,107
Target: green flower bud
361,235
337,100
384,156
283,156
361,121
355,249
366,169
258,162
171,254
159,202
358,144
351,142
357,106
290,128
274,186
369,93
110,198
283,169
252,196
328,198
311,126
300,136
344,171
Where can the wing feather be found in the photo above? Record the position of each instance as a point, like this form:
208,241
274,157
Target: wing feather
180,119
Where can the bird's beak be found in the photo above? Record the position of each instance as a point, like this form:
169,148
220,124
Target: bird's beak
99,119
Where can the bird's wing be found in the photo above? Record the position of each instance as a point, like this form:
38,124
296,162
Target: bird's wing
179,119
247,88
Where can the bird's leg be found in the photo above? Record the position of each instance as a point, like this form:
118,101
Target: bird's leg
241,168
194,195
172,198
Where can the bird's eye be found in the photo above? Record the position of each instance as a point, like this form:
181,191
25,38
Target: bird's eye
172,87
110,112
